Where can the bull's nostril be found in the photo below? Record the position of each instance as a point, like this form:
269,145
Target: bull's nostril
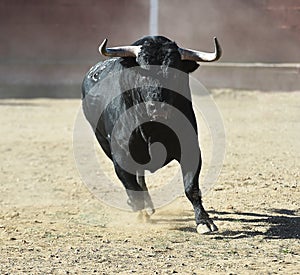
151,106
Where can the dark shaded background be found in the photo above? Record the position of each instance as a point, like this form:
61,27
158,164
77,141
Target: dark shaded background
46,46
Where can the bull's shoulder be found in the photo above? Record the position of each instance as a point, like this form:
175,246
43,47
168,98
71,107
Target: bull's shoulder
99,87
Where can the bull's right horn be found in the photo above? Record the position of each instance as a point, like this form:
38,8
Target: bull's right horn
122,51
187,54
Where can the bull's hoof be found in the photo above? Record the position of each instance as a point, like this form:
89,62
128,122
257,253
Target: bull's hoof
150,211
143,217
205,228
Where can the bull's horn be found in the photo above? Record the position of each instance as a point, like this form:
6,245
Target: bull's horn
187,54
122,51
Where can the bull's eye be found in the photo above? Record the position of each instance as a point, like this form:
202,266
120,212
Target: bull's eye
95,76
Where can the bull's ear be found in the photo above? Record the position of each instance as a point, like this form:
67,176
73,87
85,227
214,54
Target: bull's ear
189,66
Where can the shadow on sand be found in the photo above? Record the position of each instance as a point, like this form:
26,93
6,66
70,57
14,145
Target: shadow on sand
281,224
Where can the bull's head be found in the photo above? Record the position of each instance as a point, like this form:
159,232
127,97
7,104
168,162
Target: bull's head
159,53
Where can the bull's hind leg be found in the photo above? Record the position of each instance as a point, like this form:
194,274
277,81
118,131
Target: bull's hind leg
147,199
193,193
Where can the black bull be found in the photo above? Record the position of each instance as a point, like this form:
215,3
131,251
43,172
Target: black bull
139,105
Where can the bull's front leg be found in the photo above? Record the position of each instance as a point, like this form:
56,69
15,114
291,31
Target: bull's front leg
147,199
133,189
138,197
193,193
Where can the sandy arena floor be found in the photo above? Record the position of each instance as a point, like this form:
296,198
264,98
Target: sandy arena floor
51,224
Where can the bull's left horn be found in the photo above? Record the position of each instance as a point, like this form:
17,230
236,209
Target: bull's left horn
187,54
122,51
